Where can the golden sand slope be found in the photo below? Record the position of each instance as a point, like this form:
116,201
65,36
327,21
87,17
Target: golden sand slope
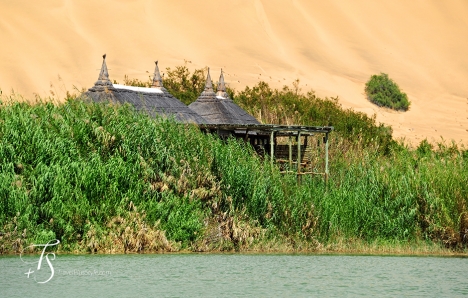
332,46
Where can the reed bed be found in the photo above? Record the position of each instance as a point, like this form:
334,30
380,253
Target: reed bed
103,178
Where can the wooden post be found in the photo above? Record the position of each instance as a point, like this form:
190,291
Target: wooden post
326,158
272,146
290,152
299,156
305,150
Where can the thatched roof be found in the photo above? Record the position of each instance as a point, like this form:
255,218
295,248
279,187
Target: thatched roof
218,108
155,100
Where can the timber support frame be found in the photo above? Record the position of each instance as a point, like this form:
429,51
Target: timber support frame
266,135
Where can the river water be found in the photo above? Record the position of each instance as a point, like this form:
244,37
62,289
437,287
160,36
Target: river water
233,275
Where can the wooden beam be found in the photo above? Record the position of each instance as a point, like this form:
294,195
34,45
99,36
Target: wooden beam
326,158
299,156
272,146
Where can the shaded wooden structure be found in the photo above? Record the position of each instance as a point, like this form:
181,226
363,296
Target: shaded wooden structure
225,118
217,113
156,101
263,137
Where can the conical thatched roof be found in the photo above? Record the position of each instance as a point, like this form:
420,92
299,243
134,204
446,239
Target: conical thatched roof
155,100
218,108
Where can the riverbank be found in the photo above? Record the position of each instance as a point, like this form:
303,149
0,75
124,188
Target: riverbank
102,178
343,247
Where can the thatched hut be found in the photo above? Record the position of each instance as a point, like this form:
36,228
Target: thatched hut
155,100
218,108
217,113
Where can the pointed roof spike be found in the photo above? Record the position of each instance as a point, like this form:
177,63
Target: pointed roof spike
221,92
208,84
104,74
103,80
157,80
221,85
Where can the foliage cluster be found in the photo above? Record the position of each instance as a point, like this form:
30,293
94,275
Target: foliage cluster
184,85
384,92
408,194
103,178
79,171
290,106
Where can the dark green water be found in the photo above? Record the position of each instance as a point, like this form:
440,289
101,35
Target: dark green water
224,275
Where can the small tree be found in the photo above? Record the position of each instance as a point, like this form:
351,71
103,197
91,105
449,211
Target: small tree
184,85
384,92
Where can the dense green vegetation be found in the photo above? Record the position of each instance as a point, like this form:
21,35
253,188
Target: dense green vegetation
384,92
103,178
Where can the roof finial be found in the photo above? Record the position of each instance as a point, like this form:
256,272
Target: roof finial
208,84
104,74
221,91
157,80
103,80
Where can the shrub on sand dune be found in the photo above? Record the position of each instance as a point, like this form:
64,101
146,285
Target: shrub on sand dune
384,92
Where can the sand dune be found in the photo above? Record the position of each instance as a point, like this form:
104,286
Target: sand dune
332,46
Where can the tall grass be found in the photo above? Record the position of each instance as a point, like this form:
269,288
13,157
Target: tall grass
72,171
405,195
104,178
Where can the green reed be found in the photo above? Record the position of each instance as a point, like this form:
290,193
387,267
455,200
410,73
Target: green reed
104,178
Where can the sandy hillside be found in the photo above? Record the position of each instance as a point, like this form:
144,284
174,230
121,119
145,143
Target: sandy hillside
332,46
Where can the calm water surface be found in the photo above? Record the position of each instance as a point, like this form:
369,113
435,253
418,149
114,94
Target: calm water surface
224,275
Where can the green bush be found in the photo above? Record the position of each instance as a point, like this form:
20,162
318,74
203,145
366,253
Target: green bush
102,177
289,106
384,92
184,85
